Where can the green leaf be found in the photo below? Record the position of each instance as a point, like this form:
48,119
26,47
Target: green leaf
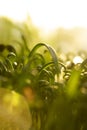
73,83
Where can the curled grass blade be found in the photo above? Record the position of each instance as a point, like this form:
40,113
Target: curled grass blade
46,65
51,50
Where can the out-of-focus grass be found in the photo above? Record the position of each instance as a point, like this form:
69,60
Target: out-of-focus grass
53,83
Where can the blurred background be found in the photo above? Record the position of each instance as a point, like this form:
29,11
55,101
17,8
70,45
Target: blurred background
63,24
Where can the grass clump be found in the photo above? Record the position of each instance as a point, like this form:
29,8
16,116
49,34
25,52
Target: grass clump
54,87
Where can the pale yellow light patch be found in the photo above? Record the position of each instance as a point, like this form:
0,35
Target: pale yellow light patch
47,14
77,60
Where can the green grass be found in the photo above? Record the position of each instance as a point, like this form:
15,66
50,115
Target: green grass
59,90
55,88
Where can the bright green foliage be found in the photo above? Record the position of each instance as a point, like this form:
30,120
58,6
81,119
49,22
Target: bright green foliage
55,90
73,83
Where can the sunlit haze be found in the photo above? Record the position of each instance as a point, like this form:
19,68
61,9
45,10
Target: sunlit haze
47,14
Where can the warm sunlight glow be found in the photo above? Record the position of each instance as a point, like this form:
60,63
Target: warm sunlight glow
47,14
14,9
77,60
